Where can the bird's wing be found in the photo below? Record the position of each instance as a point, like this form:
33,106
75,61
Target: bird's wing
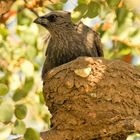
46,39
91,37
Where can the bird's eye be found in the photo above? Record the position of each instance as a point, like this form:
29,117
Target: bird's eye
52,18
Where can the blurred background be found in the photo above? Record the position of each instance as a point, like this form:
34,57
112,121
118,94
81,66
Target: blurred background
22,107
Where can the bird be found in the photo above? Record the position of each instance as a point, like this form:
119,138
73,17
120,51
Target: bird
67,40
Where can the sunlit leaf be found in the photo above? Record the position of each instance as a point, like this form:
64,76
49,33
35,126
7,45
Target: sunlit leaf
58,6
31,134
19,127
93,9
27,68
113,3
28,37
31,52
83,1
64,1
19,94
6,112
20,111
23,18
79,12
41,97
121,15
3,31
3,89
124,51
46,118
28,84
18,53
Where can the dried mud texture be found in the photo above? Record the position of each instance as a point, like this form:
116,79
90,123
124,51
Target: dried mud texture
101,103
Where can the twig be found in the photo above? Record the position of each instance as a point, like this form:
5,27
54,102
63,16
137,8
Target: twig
49,8
51,1
35,12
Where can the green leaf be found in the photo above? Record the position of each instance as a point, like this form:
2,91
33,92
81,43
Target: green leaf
122,14
93,9
79,12
28,37
23,18
3,31
31,134
19,94
20,111
6,112
28,84
64,1
27,68
58,6
123,49
124,52
41,98
84,1
113,3
46,118
3,89
31,52
19,127
22,93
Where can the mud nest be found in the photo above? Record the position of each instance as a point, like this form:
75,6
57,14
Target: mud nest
93,99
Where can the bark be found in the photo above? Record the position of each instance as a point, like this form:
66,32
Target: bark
93,99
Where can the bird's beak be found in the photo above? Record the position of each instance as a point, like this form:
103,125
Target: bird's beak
41,20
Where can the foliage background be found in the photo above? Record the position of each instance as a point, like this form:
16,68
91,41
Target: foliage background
22,108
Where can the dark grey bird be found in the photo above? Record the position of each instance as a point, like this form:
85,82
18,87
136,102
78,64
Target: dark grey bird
67,40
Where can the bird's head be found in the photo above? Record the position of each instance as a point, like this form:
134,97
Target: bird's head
54,21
